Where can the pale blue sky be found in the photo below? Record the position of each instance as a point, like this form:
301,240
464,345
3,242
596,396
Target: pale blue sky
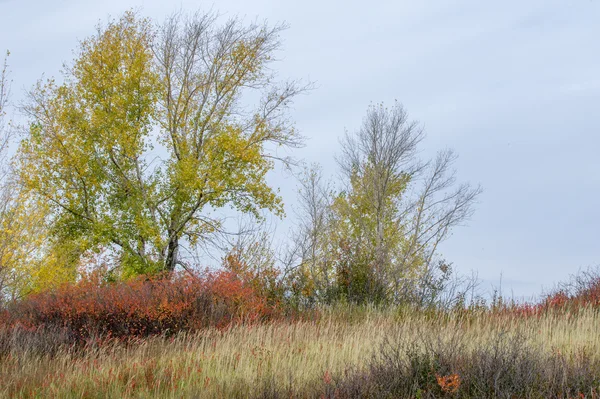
512,86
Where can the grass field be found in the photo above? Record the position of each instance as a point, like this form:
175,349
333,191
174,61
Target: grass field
343,353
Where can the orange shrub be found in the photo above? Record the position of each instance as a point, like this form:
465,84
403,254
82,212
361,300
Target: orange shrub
449,383
142,306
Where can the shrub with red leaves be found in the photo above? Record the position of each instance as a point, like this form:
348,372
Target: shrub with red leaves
143,306
581,291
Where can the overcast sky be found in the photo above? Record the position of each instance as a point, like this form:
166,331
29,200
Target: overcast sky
513,86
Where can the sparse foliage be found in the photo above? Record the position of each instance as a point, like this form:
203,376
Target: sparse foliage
308,261
376,240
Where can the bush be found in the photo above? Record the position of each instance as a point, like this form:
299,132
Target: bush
507,367
40,341
142,306
581,291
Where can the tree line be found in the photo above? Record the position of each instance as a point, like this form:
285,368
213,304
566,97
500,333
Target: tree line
129,158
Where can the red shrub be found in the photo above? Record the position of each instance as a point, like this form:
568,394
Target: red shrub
143,306
582,291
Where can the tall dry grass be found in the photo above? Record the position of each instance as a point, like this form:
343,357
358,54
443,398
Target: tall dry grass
280,359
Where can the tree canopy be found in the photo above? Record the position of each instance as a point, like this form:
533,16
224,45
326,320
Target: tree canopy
150,130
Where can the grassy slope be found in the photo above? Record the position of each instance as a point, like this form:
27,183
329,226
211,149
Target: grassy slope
254,361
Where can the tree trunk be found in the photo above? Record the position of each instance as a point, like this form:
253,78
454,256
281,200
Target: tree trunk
172,253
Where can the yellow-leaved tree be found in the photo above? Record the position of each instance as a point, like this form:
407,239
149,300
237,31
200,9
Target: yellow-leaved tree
150,130
24,242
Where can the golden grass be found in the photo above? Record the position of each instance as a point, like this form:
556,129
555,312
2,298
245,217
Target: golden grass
246,360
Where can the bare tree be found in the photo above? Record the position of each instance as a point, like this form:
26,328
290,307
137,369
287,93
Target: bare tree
204,70
309,255
6,191
252,244
5,133
438,206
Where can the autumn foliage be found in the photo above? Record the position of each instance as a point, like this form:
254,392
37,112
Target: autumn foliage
448,383
581,292
142,306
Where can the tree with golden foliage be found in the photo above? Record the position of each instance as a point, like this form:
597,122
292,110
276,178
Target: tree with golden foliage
24,268
149,133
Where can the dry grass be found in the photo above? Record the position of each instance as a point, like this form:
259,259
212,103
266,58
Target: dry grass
275,359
